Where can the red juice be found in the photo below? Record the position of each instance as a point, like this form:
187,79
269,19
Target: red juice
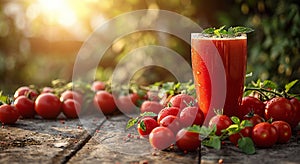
219,67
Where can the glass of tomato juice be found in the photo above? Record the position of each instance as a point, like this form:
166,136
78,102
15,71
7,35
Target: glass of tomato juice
219,68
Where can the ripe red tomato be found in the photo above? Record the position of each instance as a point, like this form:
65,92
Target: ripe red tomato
153,96
25,106
182,100
151,106
246,132
171,122
47,90
284,131
295,117
264,135
191,115
68,94
26,91
97,86
187,141
161,138
127,103
254,119
279,109
251,104
221,122
167,111
145,126
48,106
104,102
71,108
8,114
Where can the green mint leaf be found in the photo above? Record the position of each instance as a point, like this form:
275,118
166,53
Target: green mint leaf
230,32
235,120
241,30
269,84
246,123
214,142
246,145
150,114
288,86
131,122
194,128
208,31
206,131
232,129
142,125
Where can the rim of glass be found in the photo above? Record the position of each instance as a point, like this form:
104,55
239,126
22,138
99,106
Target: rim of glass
205,36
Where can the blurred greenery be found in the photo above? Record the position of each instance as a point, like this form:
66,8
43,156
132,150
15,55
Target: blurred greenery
39,39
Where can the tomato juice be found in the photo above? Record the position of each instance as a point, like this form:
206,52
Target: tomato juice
219,67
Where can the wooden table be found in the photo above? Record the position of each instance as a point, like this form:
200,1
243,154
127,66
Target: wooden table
105,140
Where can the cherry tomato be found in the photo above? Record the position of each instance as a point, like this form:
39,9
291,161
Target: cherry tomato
127,103
26,91
151,106
69,94
246,132
47,90
295,117
71,108
284,131
167,111
278,108
221,122
97,86
48,106
264,135
171,122
8,114
182,100
187,141
145,126
153,96
251,104
104,102
25,106
161,138
191,116
254,119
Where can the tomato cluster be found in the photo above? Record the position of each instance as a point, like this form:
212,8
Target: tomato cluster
167,123
27,103
260,124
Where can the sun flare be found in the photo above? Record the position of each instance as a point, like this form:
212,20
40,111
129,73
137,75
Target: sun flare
58,11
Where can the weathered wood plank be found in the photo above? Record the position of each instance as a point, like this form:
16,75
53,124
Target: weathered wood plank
113,144
42,141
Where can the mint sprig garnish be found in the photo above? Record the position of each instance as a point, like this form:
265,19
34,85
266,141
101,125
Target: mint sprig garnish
222,32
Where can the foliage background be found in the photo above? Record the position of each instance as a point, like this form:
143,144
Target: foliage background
39,41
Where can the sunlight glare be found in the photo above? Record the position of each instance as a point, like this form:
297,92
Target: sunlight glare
58,11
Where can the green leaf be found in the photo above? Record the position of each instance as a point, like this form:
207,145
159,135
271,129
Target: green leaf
214,142
131,122
241,30
142,125
246,145
208,31
194,128
288,86
268,84
230,32
150,114
235,120
232,129
206,131
246,123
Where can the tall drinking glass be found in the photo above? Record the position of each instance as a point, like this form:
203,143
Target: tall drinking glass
219,67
